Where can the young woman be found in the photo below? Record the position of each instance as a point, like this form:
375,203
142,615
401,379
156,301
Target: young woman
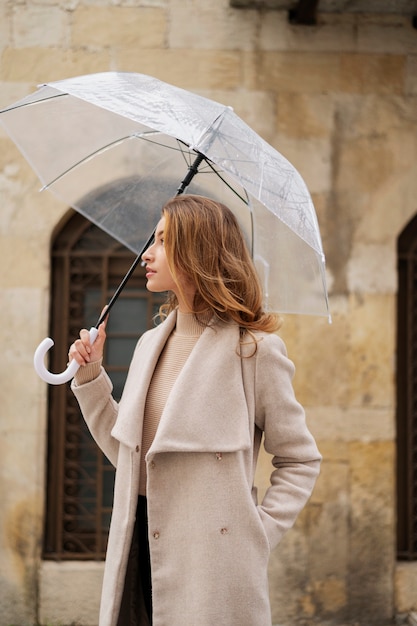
189,543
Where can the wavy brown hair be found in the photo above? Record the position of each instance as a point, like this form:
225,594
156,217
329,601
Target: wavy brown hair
203,242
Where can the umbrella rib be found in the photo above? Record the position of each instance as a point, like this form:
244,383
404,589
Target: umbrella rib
84,160
157,143
25,104
245,201
226,183
98,151
102,149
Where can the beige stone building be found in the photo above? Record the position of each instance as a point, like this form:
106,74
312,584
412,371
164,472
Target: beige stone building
339,99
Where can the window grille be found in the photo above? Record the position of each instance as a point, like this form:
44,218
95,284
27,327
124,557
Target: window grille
87,266
407,394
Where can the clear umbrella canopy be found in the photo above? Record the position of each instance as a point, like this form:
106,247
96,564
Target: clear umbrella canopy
115,146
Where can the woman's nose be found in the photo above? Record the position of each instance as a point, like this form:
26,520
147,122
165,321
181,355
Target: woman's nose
147,254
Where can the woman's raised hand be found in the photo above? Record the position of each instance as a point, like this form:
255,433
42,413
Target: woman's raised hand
82,350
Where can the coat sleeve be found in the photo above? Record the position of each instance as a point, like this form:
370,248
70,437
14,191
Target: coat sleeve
100,411
296,458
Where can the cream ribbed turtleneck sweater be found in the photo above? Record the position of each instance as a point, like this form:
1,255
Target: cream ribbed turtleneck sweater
170,363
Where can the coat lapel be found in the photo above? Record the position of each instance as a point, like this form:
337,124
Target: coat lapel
206,410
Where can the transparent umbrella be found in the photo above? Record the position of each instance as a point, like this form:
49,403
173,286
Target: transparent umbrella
96,139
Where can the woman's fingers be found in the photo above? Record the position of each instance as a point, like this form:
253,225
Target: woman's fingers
101,315
83,351
85,340
97,347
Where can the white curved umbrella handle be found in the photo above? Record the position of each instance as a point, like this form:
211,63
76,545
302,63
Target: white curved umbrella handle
64,377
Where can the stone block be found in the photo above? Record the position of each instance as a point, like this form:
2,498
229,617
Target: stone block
342,424
320,379
26,223
311,157
330,596
16,172
333,33
273,31
370,358
386,34
318,72
372,536
364,164
38,25
395,200
24,263
20,517
332,450
363,270
20,337
12,608
294,72
70,592
376,151
5,25
307,572
337,230
39,65
220,69
411,75
372,483
405,586
138,27
373,115
212,26
328,516
372,73
302,116
340,214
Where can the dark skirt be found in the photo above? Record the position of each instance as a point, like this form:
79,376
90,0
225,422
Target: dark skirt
136,606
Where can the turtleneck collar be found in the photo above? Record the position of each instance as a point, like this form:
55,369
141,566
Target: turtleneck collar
187,324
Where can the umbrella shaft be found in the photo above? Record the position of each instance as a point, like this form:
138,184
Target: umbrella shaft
192,171
125,279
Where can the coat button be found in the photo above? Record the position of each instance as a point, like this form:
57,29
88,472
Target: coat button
137,448
219,456
152,464
156,535
224,531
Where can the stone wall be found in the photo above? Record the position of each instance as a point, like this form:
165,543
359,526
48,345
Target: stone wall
339,101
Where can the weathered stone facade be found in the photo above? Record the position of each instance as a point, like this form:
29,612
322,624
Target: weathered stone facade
339,101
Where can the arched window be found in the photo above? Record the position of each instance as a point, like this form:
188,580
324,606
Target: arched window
87,266
407,394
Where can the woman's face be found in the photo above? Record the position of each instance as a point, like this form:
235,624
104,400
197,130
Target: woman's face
157,270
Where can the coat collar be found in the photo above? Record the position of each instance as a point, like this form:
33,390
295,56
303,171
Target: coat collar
206,410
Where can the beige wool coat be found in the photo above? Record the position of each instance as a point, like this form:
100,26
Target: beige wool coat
210,539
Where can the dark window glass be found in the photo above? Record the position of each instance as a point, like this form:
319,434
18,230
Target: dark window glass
407,394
